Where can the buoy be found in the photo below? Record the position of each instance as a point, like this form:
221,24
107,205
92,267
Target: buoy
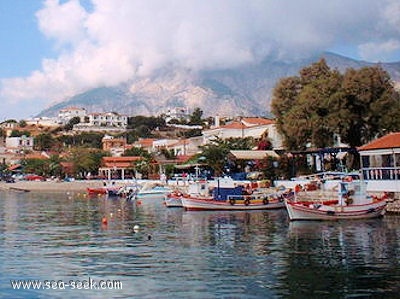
104,220
138,202
136,228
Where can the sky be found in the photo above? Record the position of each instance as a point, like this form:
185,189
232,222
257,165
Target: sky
51,50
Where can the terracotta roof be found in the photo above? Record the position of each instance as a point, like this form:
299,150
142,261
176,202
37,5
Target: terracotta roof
146,142
14,167
234,125
391,140
121,159
258,121
120,162
183,158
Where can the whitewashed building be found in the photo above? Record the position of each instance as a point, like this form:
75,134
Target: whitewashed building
108,121
176,113
66,114
16,144
255,127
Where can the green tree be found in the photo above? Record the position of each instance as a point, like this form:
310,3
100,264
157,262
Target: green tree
369,107
34,165
196,117
86,160
73,121
215,156
22,123
137,152
18,133
43,142
216,153
313,107
150,122
84,139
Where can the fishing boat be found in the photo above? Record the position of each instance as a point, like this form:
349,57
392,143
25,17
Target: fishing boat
351,202
106,189
228,196
174,199
152,191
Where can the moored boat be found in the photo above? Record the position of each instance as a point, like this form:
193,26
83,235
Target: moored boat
234,203
152,191
111,191
174,200
352,202
231,197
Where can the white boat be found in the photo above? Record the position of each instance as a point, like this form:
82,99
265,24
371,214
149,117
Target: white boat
351,202
173,200
322,180
152,191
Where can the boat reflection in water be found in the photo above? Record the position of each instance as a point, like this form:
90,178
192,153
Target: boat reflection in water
342,259
181,254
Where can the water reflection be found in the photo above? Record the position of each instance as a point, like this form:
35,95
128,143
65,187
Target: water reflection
342,259
179,254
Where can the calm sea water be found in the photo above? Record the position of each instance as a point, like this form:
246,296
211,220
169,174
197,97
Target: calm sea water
178,254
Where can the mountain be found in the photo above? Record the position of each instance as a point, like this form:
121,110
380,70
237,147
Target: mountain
244,90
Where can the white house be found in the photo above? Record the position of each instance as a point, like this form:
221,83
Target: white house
176,113
108,121
255,127
65,115
16,144
44,121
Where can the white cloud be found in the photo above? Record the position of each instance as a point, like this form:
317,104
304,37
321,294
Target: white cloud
63,23
379,51
118,39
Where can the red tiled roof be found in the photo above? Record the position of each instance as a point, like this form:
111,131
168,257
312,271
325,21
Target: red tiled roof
121,159
120,162
258,121
391,140
183,158
14,167
146,142
234,125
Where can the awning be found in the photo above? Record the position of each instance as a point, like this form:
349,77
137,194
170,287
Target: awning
187,166
253,155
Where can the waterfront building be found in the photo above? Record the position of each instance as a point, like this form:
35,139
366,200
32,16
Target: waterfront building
380,163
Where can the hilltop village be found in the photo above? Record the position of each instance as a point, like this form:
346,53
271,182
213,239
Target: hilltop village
174,138
323,121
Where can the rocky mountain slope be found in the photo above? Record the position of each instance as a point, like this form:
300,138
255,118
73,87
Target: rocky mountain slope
241,91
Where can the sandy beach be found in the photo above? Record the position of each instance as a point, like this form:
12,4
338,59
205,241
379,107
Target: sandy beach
51,186
66,186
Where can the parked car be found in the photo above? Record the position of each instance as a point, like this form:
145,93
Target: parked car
34,177
7,179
